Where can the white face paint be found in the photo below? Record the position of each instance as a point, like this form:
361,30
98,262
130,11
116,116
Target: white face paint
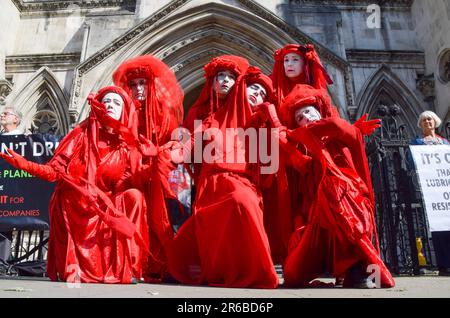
224,82
256,94
114,105
139,88
306,115
293,65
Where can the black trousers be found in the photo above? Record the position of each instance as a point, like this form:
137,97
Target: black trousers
441,243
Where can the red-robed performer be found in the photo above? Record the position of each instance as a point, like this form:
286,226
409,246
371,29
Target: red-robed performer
278,225
159,104
297,64
335,224
224,242
294,64
98,225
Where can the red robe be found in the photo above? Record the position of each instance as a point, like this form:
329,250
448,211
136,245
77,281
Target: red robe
224,242
83,247
339,213
98,221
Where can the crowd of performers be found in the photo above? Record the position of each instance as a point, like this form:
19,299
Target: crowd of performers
109,218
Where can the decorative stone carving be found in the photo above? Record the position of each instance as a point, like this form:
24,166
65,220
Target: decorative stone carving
444,67
5,90
425,84
36,6
33,62
45,122
394,4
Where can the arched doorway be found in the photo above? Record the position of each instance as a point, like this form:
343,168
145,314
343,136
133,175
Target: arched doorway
186,38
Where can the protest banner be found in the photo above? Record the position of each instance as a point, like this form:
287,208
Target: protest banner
24,199
433,170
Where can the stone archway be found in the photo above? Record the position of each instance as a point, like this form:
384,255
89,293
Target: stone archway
188,36
44,103
384,87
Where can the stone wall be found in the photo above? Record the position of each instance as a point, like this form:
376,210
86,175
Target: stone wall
432,21
61,37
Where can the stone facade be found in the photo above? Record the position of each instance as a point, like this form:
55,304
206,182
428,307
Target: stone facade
56,52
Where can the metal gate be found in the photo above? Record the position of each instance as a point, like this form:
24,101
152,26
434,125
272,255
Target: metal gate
401,220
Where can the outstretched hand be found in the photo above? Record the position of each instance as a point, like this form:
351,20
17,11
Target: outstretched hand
271,112
176,150
12,157
146,147
367,127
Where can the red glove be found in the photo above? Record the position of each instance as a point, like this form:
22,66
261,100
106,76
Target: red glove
146,147
176,150
367,127
271,114
41,171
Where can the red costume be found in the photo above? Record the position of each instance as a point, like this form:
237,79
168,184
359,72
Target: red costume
313,72
224,242
98,225
335,222
159,115
274,188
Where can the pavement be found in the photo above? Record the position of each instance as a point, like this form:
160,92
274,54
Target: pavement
406,287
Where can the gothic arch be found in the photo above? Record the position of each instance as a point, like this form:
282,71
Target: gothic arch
187,39
384,87
43,103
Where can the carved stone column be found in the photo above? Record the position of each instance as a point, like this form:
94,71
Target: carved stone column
425,84
5,90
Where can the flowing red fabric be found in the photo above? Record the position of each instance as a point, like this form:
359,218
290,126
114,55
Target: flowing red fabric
274,187
163,109
305,95
313,73
160,114
339,218
98,226
224,242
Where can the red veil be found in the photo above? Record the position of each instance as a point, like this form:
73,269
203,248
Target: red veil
208,102
158,118
224,242
102,234
313,73
335,221
163,111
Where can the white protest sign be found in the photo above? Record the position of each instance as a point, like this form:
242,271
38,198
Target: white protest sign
433,170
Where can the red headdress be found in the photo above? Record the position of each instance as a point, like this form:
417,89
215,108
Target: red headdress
80,146
208,101
305,95
255,75
163,110
313,73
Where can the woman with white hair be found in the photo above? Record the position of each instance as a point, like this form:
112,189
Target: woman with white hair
429,122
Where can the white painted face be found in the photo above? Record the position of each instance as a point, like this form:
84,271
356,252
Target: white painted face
224,82
293,65
256,94
139,88
114,105
306,115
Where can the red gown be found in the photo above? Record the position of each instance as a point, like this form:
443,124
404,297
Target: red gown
98,221
81,242
339,214
158,116
224,242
